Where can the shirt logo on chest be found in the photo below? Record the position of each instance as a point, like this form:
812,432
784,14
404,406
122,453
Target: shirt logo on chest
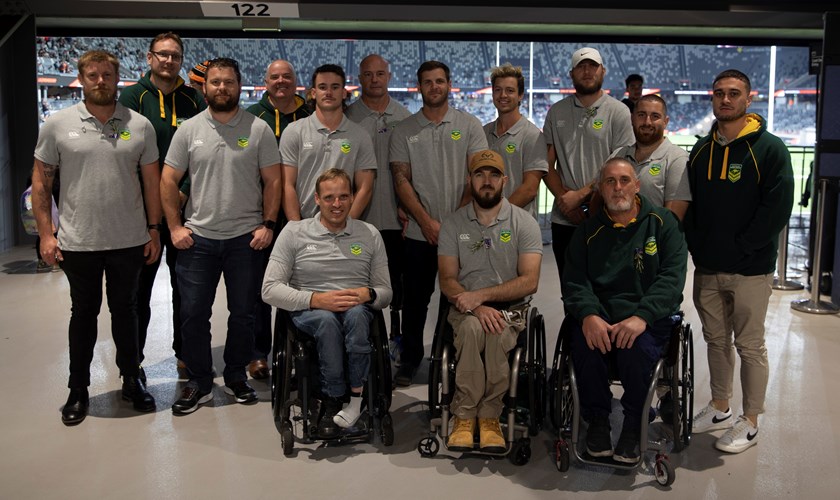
655,169
598,124
510,148
307,145
125,134
413,139
734,174
345,146
455,135
242,142
650,246
504,236
356,248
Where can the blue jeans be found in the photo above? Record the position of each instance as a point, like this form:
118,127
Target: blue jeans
199,269
335,333
635,367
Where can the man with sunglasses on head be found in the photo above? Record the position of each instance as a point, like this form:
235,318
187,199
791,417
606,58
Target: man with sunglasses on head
166,101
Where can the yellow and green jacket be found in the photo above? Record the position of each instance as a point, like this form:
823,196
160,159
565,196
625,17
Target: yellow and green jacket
741,199
278,121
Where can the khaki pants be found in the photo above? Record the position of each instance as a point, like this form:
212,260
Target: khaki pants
732,306
480,384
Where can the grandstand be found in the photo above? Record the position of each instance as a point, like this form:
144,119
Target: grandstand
668,68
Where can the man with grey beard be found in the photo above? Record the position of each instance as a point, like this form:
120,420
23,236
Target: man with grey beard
623,284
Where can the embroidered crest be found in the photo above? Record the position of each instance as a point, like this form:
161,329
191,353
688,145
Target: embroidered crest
598,124
345,147
504,236
734,174
356,249
655,169
510,148
650,246
242,142
455,135
125,134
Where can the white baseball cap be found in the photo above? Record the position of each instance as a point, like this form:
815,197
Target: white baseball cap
584,54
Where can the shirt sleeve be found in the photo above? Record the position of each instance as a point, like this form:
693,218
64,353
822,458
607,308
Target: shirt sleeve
367,155
275,288
380,279
398,149
178,156
150,150
478,139
447,238
676,182
46,150
268,153
535,154
290,145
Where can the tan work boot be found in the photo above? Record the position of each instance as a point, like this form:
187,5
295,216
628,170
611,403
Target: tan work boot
462,437
491,439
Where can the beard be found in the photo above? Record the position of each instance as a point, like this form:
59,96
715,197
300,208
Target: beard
583,89
648,137
101,97
488,200
223,105
620,205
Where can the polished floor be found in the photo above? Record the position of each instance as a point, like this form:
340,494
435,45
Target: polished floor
226,450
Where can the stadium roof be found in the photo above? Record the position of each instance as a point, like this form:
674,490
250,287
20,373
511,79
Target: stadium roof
764,21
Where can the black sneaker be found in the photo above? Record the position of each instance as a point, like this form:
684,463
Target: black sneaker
191,399
598,438
242,392
327,428
134,390
627,448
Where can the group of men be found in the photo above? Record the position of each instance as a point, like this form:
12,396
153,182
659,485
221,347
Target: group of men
318,211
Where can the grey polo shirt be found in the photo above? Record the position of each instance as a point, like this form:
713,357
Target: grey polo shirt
663,175
223,161
438,155
312,149
308,258
382,209
489,255
584,138
100,204
523,148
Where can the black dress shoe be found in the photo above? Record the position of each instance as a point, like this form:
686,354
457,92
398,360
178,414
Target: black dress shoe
76,408
134,390
327,428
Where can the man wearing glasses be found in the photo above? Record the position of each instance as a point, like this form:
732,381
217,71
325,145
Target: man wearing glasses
162,97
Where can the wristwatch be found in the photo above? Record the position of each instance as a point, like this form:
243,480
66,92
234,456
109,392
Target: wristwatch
269,224
155,226
372,294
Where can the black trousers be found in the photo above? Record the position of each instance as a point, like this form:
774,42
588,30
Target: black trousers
84,273
419,279
144,293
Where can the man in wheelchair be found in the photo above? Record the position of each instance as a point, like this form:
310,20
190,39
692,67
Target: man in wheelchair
623,280
489,255
329,272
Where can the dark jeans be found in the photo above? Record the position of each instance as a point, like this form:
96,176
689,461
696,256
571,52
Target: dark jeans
199,269
336,334
144,294
395,250
84,273
634,365
560,237
419,286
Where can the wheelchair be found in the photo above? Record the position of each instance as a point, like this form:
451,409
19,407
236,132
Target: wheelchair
524,410
296,410
672,381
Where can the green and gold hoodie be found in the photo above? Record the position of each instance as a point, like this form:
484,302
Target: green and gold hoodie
742,195
618,271
278,121
166,112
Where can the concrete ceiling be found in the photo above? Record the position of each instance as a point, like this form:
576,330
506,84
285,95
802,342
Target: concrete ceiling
765,21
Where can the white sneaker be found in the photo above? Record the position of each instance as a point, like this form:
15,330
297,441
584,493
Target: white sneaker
712,419
740,437
348,415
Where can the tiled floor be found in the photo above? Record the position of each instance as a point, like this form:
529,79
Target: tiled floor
225,450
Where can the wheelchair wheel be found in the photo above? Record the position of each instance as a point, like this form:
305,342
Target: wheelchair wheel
386,430
561,459
287,438
520,452
280,373
536,371
428,447
382,367
663,471
561,404
687,385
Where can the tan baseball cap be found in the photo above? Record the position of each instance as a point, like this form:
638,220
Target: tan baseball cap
487,158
